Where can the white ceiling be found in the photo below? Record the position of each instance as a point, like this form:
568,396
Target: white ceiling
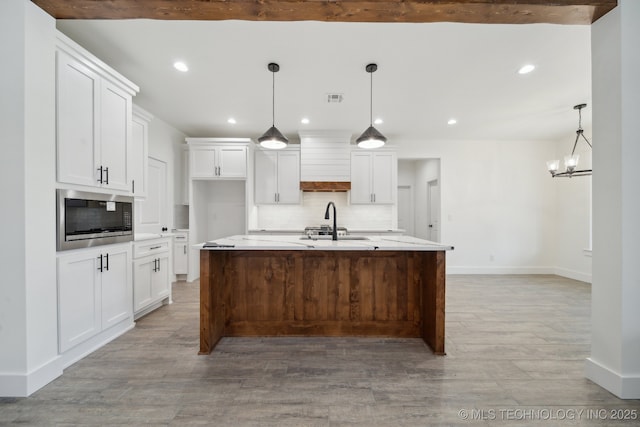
427,73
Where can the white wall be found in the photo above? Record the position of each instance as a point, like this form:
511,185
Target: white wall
28,295
615,333
496,207
572,235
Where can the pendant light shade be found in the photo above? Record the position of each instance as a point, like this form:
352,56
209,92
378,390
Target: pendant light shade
273,138
371,138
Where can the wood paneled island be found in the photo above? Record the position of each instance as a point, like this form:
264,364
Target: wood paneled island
283,285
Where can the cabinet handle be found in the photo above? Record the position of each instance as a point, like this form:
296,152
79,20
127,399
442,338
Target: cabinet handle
185,249
100,258
107,258
155,247
158,264
374,197
106,171
100,170
133,186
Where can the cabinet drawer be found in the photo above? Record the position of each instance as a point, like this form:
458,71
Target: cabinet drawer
150,247
180,237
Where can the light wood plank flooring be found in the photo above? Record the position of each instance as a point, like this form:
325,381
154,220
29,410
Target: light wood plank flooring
516,347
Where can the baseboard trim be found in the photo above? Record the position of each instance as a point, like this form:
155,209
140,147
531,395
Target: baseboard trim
563,272
23,385
625,387
82,350
499,270
572,274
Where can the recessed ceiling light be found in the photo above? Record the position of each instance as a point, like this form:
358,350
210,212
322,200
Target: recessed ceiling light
180,66
304,121
452,122
526,69
378,121
231,121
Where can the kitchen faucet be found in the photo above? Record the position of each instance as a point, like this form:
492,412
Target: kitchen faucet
334,230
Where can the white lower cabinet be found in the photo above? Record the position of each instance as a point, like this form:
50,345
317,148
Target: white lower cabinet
151,275
94,292
181,252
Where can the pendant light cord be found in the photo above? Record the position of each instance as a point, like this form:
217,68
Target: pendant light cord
273,98
371,101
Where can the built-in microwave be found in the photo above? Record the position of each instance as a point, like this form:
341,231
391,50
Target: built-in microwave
92,219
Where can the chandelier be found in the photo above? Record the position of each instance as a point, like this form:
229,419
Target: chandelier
571,160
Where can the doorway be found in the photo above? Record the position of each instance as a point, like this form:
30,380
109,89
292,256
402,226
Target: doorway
433,210
405,209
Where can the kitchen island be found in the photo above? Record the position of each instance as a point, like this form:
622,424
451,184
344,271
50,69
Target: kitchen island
262,285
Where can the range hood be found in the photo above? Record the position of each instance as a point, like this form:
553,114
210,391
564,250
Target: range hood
325,161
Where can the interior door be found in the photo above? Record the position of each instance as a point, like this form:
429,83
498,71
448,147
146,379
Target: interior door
433,209
405,209
152,212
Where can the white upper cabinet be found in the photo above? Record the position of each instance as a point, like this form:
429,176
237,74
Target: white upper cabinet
373,177
77,88
277,177
94,120
218,158
139,152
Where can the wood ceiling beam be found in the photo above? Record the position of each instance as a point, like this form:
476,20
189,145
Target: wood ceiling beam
569,12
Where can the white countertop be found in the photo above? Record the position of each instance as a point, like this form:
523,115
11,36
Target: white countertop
294,242
301,231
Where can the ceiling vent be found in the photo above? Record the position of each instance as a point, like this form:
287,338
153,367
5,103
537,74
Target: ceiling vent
334,98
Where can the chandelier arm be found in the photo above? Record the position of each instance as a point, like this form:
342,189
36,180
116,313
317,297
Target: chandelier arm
586,140
578,133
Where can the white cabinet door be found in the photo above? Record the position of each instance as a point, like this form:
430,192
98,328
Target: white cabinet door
142,270
373,177
94,292
289,177
277,177
152,211
151,273
77,121
115,136
160,281
180,258
138,160
79,311
361,185
232,162
384,177
116,287
219,162
203,163
266,175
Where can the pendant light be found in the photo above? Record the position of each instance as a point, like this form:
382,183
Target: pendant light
371,138
272,138
571,160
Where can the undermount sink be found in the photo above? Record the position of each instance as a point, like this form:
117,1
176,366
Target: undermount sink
328,237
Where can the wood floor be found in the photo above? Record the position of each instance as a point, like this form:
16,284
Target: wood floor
516,347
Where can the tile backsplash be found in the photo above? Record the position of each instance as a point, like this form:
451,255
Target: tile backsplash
311,213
